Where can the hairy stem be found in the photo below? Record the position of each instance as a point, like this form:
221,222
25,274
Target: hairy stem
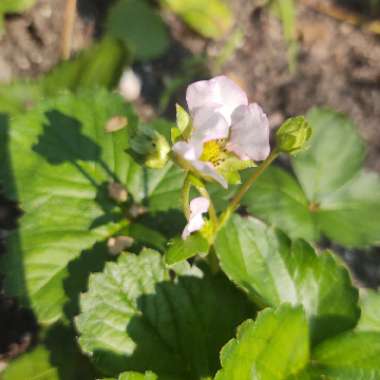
185,196
234,203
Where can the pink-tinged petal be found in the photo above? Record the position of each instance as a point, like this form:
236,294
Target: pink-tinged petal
208,170
190,151
198,206
249,133
219,91
209,125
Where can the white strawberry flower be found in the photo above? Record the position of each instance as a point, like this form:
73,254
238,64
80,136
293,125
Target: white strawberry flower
228,133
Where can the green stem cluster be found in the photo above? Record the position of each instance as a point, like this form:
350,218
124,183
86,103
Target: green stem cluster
218,223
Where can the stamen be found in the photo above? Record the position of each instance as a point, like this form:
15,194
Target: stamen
213,151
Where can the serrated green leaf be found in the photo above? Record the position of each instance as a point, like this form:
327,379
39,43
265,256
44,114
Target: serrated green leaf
272,270
55,160
328,164
370,311
137,24
277,198
274,347
350,356
57,357
137,317
211,19
180,249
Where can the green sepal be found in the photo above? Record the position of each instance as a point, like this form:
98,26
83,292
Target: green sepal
183,124
231,166
180,249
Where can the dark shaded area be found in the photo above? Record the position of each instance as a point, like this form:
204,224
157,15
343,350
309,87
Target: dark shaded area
164,80
365,264
370,8
65,354
18,328
170,223
90,261
65,131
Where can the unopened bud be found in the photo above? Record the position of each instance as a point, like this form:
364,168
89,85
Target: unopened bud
116,123
118,244
117,192
130,85
136,210
293,135
151,146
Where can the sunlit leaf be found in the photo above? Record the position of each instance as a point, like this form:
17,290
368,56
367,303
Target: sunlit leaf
138,316
56,162
274,347
272,270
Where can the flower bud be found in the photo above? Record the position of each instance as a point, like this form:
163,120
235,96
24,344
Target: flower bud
130,85
151,146
118,244
293,135
117,192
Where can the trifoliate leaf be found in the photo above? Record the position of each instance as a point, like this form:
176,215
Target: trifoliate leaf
335,197
272,270
278,198
138,316
329,164
56,161
274,347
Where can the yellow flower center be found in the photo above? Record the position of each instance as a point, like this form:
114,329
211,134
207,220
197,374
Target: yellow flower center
214,151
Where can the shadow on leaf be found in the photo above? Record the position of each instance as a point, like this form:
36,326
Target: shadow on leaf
177,332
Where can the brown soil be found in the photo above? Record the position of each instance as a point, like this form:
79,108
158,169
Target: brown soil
338,67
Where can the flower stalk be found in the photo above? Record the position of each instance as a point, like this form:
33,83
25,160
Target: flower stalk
185,196
235,201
